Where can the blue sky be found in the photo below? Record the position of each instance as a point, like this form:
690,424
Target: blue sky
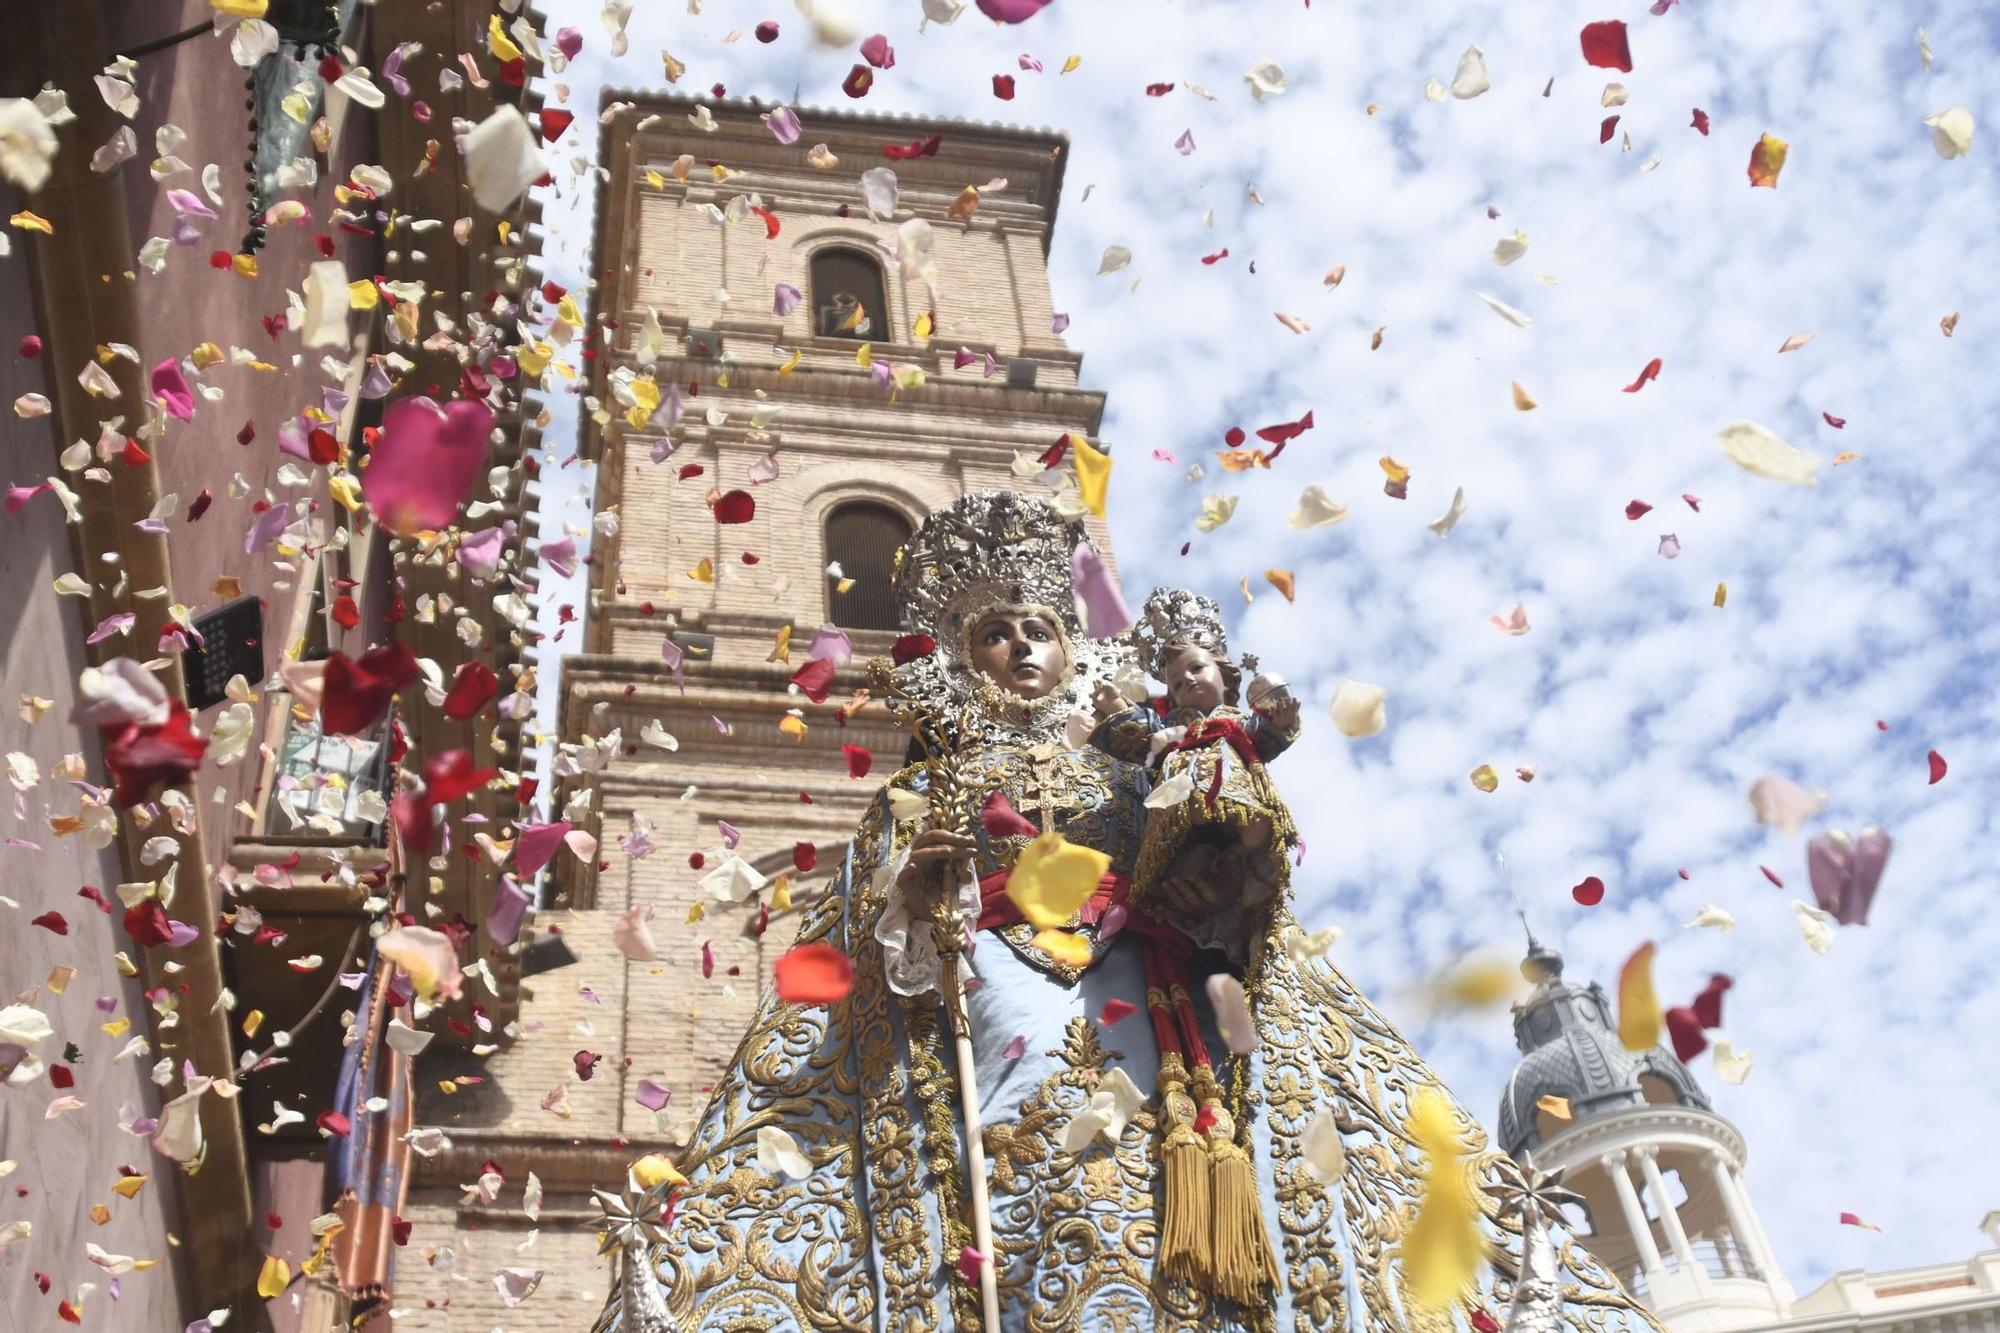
1648,711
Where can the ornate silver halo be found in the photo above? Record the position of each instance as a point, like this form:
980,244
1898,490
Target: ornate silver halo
1175,615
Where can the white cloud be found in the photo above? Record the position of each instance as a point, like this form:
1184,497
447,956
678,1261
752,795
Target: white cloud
1648,710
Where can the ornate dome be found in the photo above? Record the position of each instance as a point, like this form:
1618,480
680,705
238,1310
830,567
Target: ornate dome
1570,1049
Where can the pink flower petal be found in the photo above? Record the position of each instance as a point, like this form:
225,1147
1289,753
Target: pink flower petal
425,463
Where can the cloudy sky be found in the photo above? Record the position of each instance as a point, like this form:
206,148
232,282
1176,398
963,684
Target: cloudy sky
1647,710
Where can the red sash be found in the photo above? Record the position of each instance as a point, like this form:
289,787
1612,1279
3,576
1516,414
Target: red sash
1210,730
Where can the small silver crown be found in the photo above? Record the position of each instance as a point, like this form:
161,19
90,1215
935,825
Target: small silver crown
1175,615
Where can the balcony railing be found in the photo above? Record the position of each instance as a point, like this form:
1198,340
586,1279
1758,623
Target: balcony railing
1717,1256
332,787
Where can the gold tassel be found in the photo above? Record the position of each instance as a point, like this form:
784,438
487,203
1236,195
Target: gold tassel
1244,1269
1184,1230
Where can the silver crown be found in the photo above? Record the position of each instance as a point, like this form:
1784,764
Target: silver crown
985,550
1176,615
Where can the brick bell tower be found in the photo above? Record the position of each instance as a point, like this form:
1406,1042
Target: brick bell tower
842,460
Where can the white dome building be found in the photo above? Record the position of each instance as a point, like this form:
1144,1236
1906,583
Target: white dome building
1661,1176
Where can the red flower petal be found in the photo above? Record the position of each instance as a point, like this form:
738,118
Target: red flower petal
1011,11
804,856
586,1064
1218,256
1001,820
1685,1030
1003,87
1637,510
1607,129
1158,89
1708,1004
60,1077
414,822
858,81
1115,1011
1233,437
1485,1322
355,694
52,922
1693,501
815,679
1838,423
770,222
924,147
1285,431
450,775
141,758
554,122
814,974
859,760
147,924
1937,768
877,51
1650,373
707,959
1589,893
735,507
1701,120
334,1123
472,689
911,647
1607,46
1772,875
767,32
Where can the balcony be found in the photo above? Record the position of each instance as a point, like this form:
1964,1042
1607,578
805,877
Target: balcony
330,788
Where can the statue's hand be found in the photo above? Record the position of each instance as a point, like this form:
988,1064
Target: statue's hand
1107,701
937,858
1284,714
1197,881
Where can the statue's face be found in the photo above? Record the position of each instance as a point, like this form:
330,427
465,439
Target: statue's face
1020,651
1194,680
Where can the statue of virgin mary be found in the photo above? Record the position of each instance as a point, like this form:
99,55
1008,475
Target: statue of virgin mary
1142,1173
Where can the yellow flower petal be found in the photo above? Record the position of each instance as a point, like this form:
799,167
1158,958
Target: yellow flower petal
655,1168
1282,580
1093,474
1522,403
1639,1019
1052,879
1071,63
498,42
1485,778
1443,1250
703,572
1067,949
276,1274
1556,1106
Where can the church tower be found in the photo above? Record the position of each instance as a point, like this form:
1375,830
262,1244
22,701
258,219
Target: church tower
757,335
1661,1174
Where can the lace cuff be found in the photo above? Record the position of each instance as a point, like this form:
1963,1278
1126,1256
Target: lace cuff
910,962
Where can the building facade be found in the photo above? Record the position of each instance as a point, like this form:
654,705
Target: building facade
283,854
1665,1202
678,714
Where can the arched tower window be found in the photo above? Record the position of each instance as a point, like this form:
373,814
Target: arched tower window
847,298
862,537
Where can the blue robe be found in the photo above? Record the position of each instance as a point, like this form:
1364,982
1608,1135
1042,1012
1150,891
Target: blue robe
871,1238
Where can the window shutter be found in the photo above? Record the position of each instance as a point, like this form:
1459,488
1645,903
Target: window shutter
863,538
232,644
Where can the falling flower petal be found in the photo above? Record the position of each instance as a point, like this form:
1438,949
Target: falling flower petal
1937,768
1443,1249
1590,892
1767,159
1515,622
1232,1013
1485,778
425,463
1114,258
1814,925
429,958
1607,45
1650,373
1758,451
1951,132
1506,312
1325,1155
1784,805
814,974
1052,878
1470,80
1098,595
778,1152
1639,1018
1731,1066
1266,79
1359,709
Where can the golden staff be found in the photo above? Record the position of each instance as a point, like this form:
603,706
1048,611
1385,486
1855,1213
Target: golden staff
951,804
